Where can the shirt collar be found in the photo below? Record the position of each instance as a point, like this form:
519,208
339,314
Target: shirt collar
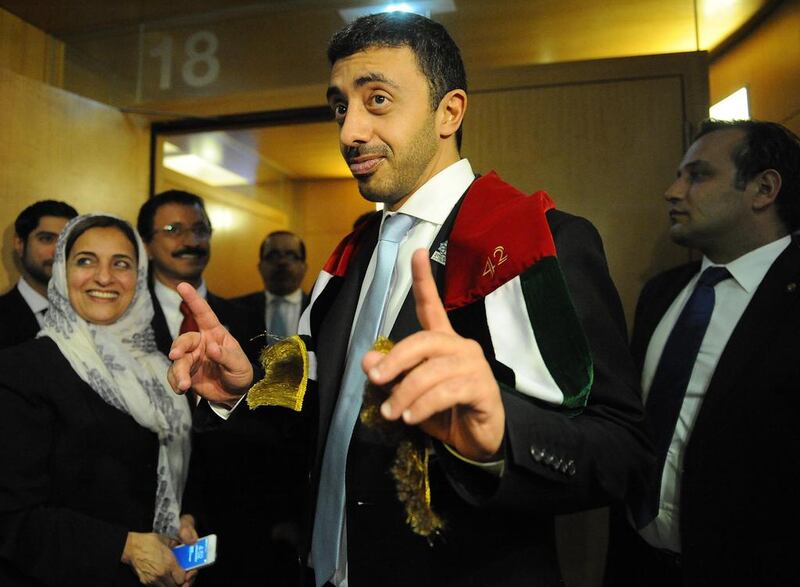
36,301
749,269
293,298
170,297
434,201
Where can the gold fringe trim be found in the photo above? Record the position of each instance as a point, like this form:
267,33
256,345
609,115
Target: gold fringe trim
285,376
410,467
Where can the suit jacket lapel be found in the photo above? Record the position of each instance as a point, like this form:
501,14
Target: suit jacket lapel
766,314
159,323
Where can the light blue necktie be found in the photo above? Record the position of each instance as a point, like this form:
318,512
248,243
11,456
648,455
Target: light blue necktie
329,516
277,323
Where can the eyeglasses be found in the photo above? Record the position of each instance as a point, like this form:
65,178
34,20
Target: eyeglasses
176,230
275,256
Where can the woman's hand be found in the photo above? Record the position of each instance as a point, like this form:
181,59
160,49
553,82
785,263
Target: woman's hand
152,560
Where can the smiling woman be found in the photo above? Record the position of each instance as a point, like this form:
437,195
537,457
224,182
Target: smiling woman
97,489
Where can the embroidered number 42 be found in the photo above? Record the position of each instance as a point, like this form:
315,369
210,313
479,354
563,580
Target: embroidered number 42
497,258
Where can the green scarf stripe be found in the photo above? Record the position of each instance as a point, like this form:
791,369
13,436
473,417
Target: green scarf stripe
558,332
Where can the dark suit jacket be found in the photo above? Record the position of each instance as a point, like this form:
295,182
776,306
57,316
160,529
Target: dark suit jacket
229,495
76,475
256,303
737,519
17,321
498,531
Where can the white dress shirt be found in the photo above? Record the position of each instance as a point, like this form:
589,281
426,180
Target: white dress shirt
170,302
36,301
290,308
731,299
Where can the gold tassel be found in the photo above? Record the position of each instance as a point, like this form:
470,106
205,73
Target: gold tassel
410,467
285,376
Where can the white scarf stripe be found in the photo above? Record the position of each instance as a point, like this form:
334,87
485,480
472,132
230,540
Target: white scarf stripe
515,342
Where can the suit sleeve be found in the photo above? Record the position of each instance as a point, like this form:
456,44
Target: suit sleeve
51,544
557,461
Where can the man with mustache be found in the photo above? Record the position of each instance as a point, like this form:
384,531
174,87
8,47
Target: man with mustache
36,231
176,230
177,234
282,266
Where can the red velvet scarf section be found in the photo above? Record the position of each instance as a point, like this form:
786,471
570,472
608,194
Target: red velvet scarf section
499,233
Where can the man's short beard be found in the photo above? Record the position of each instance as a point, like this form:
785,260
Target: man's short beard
36,272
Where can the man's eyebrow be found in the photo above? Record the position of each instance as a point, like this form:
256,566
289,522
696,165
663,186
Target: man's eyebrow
45,233
362,81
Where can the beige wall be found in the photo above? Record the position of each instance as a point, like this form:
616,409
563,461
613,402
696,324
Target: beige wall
61,146
768,62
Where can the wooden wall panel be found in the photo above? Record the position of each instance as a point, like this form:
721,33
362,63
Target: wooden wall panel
327,211
28,51
768,62
61,146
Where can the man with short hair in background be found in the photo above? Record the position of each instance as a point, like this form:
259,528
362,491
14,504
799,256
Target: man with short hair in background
718,344
282,264
36,231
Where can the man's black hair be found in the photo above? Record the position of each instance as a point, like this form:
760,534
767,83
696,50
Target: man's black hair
437,54
282,233
101,222
766,145
29,218
147,213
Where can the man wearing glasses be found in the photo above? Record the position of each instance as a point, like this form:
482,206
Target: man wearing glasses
282,264
176,230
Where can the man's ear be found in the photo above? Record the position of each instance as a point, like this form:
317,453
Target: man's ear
768,185
19,245
450,113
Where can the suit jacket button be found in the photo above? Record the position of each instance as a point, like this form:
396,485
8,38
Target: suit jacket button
571,468
537,454
791,287
550,459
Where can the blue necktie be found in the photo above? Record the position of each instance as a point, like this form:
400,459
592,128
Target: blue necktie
329,516
671,378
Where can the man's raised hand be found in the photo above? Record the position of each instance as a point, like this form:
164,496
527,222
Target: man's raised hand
448,388
210,362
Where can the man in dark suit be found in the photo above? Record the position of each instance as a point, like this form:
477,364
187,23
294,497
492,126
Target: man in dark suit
282,264
724,416
177,233
36,231
509,428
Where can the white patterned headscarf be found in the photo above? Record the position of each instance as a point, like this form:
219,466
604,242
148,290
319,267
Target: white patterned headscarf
121,363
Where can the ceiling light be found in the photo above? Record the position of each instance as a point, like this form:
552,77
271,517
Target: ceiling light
424,7
202,170
734,107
